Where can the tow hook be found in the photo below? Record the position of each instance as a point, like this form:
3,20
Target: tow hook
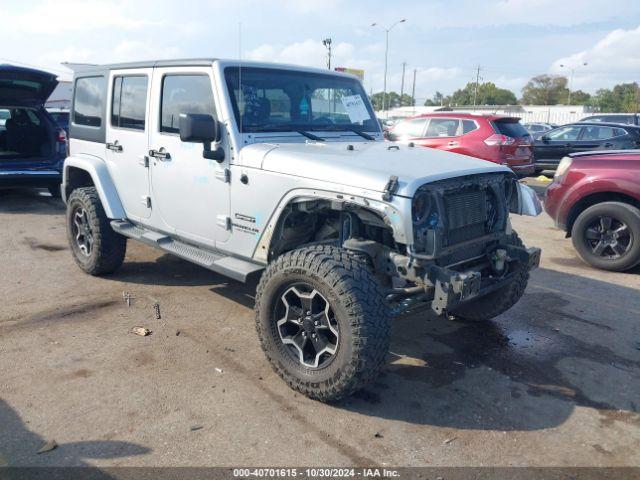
498,260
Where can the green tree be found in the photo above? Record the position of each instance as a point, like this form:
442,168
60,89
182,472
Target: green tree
545,90
393,100
437,100
487,94
578,97
624,97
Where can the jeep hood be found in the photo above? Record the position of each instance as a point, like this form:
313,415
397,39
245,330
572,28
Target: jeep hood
25,87
368,165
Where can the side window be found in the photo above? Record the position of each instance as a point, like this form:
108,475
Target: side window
468,126
184,94
410,128
564,134
598,133
88,100
442,127
129,102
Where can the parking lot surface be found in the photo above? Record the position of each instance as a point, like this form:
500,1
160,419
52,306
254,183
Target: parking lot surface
555,381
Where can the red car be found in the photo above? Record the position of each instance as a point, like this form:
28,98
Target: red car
595,198
496,138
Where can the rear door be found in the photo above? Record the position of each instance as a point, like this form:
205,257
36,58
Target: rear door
555,144
443,134
127,138
598,137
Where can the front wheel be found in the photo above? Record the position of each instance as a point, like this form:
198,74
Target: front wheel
323,321
95,246
607,236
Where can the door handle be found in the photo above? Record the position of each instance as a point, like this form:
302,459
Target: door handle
452,144
114,147
160,154
608,145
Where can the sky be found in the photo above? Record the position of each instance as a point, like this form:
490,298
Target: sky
443,40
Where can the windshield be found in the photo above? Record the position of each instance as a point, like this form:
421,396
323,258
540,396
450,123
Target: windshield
273,100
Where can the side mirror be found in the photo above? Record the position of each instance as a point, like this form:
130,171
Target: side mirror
525,201
202,128
544,138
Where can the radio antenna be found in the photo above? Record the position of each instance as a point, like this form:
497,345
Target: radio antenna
240,98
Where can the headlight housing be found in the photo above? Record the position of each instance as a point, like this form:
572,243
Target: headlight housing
563,168
421,208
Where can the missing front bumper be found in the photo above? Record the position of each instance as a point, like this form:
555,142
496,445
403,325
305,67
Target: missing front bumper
451,288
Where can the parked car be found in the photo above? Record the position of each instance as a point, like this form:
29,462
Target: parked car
626,118
595,198
32,146
536,129
290,181
495,138
582,137
61,117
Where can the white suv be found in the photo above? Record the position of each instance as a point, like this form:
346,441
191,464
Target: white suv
281,171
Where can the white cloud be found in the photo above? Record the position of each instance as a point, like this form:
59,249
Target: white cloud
613,59
309,53
51,16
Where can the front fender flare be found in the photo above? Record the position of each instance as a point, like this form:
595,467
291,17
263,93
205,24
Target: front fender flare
97,169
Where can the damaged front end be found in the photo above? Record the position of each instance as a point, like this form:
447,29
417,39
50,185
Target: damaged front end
463,245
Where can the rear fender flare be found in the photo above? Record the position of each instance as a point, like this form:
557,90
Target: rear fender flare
97,169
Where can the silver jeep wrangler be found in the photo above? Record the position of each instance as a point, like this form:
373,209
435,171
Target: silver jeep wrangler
281,171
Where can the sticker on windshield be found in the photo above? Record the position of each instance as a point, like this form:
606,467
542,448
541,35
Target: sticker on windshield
356,109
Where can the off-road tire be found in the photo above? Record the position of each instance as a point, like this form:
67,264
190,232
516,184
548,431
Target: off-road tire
499,301
363,316
621,212
109,247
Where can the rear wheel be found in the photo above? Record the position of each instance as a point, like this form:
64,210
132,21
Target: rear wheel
607,236
322,321
95,246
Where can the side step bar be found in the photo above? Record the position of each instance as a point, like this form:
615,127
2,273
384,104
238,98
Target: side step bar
231,267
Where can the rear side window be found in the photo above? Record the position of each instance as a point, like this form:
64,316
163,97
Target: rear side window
442,127
88,101
510,129
129,102
601,133
468,126
184,94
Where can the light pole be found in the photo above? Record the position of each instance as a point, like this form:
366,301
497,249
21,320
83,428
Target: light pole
386,57
327,43
572,70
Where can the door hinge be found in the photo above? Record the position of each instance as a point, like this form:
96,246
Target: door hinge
144,161
146,200
224,175
224,221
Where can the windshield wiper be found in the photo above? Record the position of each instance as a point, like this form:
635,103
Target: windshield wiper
340,128
284,128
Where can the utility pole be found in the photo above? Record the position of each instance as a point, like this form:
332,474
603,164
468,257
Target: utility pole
475,90
386,57
413,89
404,65
327,43
572,70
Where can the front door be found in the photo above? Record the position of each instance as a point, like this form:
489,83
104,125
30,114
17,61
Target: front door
127,139
190,194
443,134
555,144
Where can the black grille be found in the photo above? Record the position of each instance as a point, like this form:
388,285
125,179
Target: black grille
466,215
465,208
